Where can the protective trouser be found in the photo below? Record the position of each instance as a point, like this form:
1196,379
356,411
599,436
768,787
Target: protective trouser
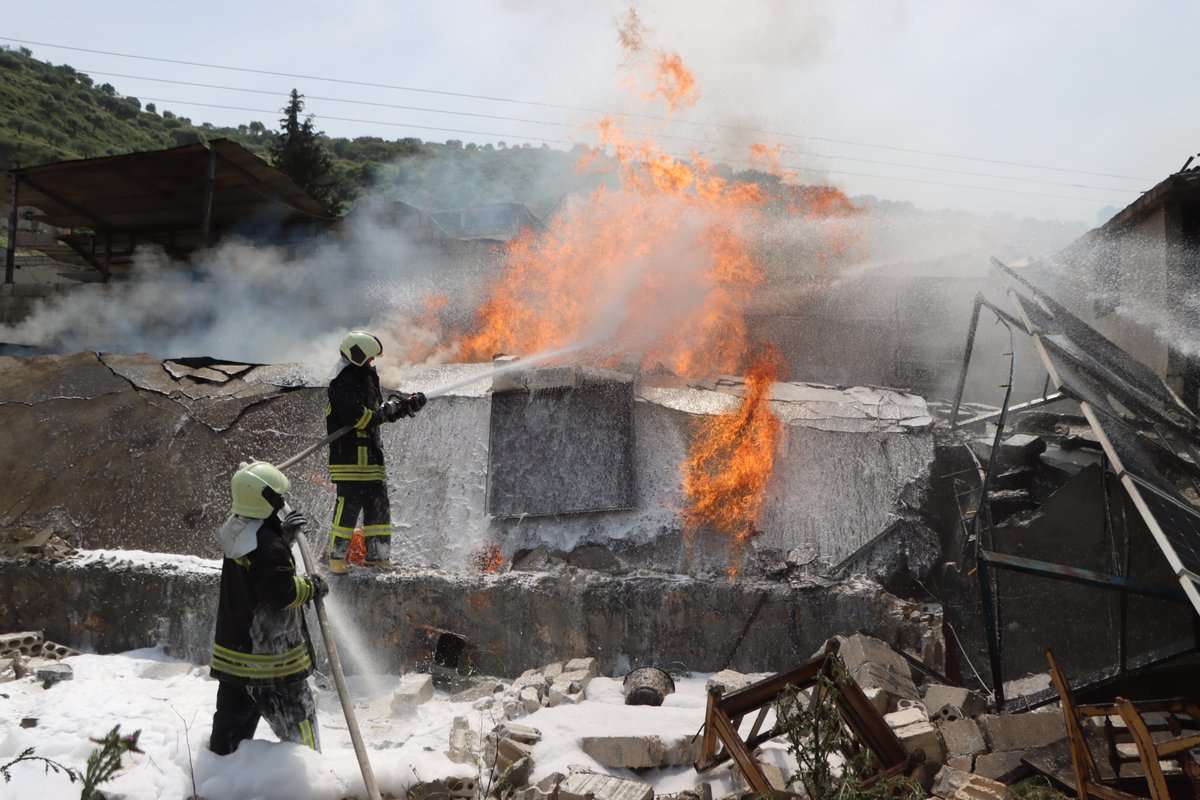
288,708
369,498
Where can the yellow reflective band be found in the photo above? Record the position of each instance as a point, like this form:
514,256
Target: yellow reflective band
243,562
248,665
328,409
337,513
363,458
377,530
306,735
303,591
365,419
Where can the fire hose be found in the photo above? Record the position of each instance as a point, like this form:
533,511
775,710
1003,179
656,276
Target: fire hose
335,659
339,679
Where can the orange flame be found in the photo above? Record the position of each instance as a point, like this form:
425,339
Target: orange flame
731,458
357,552
490,560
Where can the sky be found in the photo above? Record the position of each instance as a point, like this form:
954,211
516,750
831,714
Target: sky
1053,109
171,703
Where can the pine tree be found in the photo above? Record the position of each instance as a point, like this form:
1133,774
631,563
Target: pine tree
299,153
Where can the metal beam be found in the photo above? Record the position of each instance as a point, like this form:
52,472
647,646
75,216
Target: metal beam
10,253
962,375
1087,577
1131,486
1041,401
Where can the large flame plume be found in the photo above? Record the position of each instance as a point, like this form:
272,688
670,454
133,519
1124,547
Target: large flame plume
732,456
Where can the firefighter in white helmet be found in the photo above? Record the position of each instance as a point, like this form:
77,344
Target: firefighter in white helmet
356,462
262,654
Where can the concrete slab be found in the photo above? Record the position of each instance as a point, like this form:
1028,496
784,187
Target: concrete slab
561,450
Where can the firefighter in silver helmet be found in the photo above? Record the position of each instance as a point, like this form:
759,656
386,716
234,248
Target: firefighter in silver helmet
356,462
262,654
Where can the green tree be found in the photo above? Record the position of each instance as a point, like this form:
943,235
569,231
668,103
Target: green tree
299,153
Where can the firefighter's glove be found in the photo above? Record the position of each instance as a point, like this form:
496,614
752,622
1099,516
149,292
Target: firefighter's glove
393,409
416,401
319,587
293,522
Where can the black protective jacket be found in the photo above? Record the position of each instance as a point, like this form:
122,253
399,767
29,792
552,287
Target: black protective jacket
261,637
354,399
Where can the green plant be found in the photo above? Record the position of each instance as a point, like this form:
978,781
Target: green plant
102,764
831,763
1037,788
105,762
50,765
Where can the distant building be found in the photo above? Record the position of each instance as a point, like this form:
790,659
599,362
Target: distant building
1137,280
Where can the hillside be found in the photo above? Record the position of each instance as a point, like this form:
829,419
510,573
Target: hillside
56,113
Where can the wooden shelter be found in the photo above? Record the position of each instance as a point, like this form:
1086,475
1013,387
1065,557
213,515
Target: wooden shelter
181,200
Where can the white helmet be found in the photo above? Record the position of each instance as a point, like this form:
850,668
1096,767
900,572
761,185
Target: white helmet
258,489
360,346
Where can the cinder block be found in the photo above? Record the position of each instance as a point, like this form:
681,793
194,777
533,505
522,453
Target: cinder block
415,688
1008,732
531,699
728,680
565,693
914,730
464,742
586,665
961,763
1021,448
962,737
640,752
1003,767
859,649
581,677
938,695
518,733
581,785
27,643
897,685
953,784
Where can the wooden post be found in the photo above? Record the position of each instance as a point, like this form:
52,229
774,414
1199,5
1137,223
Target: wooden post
10,255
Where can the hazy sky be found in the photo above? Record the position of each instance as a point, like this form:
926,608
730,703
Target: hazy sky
931,101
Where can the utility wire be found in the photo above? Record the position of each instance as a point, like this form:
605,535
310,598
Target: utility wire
663,136
746,163
567,107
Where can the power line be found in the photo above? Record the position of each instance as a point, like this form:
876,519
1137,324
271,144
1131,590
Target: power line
670,137
490,98
567,142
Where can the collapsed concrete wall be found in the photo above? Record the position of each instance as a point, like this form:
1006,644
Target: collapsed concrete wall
110,601
134,453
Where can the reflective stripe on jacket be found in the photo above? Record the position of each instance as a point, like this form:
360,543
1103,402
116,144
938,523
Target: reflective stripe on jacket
261,638
354,399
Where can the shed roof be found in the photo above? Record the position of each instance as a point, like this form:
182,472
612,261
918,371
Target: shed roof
161,196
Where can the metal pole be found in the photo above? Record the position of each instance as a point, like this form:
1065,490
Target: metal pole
962,376
10,254
339,679
210,180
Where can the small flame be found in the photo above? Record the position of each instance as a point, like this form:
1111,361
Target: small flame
357,552
490,560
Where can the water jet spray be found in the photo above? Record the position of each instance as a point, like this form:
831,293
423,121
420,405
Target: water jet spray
446,389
